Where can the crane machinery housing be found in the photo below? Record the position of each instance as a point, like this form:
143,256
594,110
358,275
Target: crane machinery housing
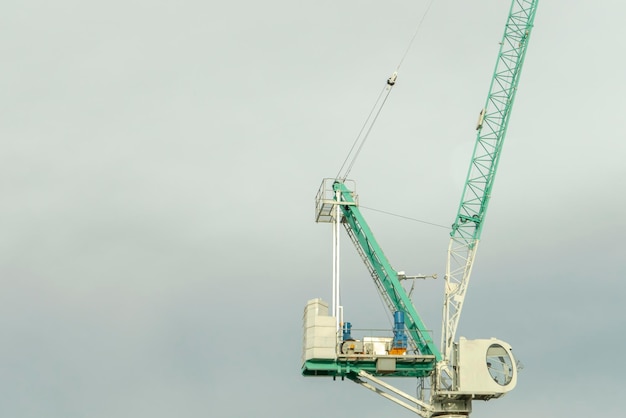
454,374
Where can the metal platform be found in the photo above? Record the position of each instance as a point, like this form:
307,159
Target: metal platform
326,199
383,365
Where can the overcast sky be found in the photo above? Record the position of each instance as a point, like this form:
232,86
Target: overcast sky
159,164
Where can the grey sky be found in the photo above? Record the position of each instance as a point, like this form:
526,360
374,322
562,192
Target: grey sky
159,165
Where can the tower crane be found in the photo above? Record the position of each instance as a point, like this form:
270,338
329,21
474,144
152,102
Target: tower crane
452,376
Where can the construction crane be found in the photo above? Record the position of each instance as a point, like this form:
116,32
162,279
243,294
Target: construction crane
450,377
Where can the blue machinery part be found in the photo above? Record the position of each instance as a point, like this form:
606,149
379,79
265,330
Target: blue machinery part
399,335
347,331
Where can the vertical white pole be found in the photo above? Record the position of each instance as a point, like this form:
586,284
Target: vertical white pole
336,258
332,309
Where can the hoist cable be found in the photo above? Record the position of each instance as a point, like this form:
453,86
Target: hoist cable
356,140
358,151
419,26
369,121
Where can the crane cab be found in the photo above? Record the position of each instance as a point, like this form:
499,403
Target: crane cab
486,368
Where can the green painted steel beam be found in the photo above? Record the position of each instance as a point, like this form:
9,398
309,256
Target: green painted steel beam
383,274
